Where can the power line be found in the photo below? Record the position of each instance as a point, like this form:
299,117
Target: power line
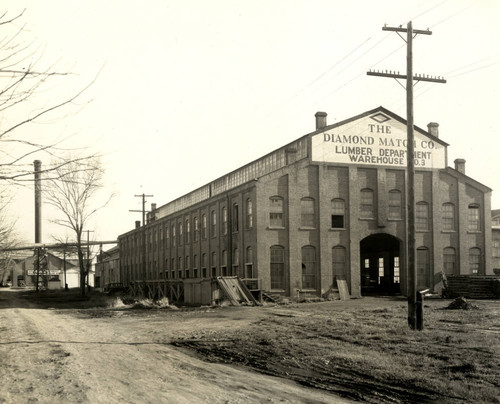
453,15
429,9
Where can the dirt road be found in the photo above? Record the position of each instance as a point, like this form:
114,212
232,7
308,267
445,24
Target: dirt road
67,357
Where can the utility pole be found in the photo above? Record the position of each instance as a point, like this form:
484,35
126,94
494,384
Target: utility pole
143,196
415,314
88,257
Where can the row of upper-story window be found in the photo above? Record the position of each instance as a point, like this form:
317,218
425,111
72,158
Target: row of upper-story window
450,260
181,232
184,267
367,210
189,230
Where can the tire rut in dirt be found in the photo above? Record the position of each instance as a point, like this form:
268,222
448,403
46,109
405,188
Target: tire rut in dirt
343,381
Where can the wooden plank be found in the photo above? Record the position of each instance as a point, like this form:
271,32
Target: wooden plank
343,290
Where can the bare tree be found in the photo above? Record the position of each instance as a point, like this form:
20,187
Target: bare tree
8,239
23,78
71,193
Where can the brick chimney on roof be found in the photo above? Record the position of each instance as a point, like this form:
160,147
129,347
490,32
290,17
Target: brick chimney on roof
320,119
460,165
433,128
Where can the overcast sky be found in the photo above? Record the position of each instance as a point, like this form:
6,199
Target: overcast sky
187,91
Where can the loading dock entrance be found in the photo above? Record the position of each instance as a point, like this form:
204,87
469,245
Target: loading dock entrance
380,264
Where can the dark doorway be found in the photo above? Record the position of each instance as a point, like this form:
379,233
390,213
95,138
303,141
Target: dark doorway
380,264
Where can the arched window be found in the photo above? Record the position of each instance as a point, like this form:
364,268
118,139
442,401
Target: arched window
213,222
338,213
180,233
395,211
422,216
475,260
367,204
174,236
423,267
474,223
249,214
204,227
188,231
196,226
339,262
276,215
224,220
235,218
307,213
277,267
448,216
308,267
449,260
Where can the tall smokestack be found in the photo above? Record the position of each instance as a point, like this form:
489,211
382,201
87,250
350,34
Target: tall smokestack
38,201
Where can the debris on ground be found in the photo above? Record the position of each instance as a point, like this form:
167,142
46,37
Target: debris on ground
461,303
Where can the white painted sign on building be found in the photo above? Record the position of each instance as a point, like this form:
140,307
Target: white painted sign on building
376,140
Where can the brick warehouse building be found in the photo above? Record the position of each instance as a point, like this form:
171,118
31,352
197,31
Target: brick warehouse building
330,205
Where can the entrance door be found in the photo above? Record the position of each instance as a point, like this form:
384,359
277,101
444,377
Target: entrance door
380,264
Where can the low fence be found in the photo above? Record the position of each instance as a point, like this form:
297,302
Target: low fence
157,289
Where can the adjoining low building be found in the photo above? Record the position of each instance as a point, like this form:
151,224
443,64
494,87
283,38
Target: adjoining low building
107,268
328,206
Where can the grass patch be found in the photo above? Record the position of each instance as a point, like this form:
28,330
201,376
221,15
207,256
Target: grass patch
370,354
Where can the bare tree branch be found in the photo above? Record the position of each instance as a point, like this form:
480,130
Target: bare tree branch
21,79
71,194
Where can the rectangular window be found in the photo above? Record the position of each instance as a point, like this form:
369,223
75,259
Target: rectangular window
396,270
380,269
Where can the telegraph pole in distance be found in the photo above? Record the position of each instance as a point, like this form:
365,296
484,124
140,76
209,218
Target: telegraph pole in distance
143,196
415,315
88,257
